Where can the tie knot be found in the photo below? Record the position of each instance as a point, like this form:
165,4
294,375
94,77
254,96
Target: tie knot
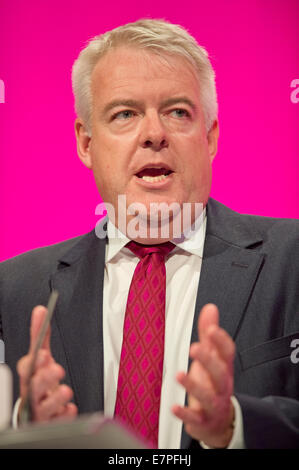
143,250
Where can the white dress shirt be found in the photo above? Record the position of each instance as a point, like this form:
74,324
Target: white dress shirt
183,266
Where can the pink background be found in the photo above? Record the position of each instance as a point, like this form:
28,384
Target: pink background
46,195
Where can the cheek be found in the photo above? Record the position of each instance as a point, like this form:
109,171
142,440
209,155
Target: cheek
113,153
193,157
197,170
110,176
193,139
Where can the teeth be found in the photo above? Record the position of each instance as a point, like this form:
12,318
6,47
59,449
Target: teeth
154,179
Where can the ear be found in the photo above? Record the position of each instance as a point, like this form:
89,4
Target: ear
213,136
83,142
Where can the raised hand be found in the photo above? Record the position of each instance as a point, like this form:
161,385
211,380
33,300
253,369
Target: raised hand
209,383
49,399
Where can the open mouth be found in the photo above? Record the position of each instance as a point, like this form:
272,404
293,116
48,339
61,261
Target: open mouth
153,175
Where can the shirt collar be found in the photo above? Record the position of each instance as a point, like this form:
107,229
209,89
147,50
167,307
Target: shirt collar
193,242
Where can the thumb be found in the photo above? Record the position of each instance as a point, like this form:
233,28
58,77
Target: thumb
209,315
37,318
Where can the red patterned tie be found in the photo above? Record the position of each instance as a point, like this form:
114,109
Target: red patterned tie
141,360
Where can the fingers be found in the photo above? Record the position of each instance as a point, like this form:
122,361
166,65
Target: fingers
188,415
67,412
48,397
217,369
215,350
44,356
209,382
38,315
56,405
216,354
44,359
215,433
209,316
208,329
223,342
45,380
202,392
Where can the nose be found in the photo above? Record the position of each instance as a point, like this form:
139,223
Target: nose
153,133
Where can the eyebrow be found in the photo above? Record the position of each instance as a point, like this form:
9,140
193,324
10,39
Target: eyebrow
138,104
121,102
176,100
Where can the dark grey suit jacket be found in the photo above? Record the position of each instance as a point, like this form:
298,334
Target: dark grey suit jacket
250,270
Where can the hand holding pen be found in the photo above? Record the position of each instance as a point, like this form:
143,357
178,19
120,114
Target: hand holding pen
43,397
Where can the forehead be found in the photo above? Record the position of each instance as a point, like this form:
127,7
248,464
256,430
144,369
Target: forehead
138,71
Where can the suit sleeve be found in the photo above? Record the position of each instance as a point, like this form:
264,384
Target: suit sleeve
270,423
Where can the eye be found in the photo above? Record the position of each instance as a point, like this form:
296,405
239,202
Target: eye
123,115
180,113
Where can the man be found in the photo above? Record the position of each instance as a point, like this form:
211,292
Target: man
147,127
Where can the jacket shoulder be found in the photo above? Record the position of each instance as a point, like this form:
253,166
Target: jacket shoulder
244,228
39,260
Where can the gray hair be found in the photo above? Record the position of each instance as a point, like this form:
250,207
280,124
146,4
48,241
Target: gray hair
158,36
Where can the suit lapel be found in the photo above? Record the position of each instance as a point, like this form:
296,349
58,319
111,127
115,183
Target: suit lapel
79,281
229,271
227,280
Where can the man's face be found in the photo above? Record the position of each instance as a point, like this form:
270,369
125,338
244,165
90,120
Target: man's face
149,140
